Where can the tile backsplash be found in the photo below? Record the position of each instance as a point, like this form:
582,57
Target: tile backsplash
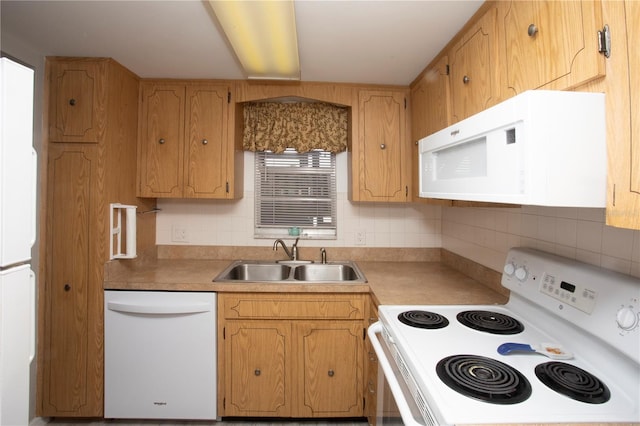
484,235
206,222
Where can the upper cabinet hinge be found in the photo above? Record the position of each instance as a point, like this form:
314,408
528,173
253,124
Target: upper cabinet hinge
364,334
405,103
227,187
229,97
224,333
604,41
446,70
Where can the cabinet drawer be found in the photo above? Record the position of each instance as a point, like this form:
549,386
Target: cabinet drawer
295,306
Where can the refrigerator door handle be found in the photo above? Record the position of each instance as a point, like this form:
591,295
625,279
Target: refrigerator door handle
34,194
32,308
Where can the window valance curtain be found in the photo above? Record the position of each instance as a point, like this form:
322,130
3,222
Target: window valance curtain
304,126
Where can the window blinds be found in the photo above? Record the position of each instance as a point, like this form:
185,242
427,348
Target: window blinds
295,194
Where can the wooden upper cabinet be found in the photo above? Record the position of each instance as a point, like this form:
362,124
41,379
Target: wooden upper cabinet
185,145
474,68
162,141
206,141
78,104
622,88
551,44
382,168
430,100
633,35
430,112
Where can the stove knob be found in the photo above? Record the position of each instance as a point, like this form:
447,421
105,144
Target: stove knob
509,268
521,273
627,318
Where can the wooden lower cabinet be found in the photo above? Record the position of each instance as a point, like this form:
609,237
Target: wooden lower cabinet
371,372
291,355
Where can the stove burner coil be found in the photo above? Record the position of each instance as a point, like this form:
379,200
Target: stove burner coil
490,322
423,319
573,382
484,379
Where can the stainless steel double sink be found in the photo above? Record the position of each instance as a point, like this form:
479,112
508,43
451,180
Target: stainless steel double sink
292,272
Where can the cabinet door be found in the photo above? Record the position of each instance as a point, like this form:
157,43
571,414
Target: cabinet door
371,371
77,102
206,142
430,112
383,167
330,362
161,141
633,35
70,381
430,101
475,80
552,44
623,121
257,370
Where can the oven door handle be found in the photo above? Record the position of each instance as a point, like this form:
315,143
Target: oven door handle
374,331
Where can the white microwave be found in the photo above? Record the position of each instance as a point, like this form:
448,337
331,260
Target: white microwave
541,147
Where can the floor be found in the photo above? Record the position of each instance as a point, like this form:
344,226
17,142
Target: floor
226,422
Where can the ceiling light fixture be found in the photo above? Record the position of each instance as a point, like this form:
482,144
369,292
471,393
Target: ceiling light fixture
263,36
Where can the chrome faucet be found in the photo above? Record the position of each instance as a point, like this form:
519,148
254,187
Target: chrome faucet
293,254
323,255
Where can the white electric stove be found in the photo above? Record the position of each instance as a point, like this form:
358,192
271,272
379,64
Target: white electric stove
443,367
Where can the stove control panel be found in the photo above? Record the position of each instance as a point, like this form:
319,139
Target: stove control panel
575,295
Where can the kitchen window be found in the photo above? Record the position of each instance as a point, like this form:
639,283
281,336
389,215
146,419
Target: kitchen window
295,194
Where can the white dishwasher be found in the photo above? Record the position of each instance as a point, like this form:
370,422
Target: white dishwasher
160,355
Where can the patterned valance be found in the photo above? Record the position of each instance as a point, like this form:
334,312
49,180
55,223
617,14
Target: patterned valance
304,126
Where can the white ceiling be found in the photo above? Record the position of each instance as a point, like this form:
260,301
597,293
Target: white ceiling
356,41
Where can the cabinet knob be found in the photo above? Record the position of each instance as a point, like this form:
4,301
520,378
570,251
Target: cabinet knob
67,287
161,141
465,79
72,102
532,30
204,141
331,373
257,372
383,146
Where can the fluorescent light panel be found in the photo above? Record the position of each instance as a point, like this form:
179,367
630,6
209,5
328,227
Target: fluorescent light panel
263,36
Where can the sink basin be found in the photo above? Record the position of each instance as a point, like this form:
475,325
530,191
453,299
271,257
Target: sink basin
291,272
325,272
258,272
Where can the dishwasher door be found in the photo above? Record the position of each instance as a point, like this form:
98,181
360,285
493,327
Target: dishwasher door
160,355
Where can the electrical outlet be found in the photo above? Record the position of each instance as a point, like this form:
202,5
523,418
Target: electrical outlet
179,234
361,238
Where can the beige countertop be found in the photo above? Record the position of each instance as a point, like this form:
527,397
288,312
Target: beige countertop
392,283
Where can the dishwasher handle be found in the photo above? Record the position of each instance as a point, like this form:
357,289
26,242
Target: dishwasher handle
165,309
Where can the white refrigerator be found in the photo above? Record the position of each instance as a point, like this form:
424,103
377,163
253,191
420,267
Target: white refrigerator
18,167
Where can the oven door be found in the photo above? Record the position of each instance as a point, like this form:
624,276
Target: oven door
395,404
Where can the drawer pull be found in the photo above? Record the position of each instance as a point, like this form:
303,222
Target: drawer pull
257,372
532,30
161,141
72,102
331,373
